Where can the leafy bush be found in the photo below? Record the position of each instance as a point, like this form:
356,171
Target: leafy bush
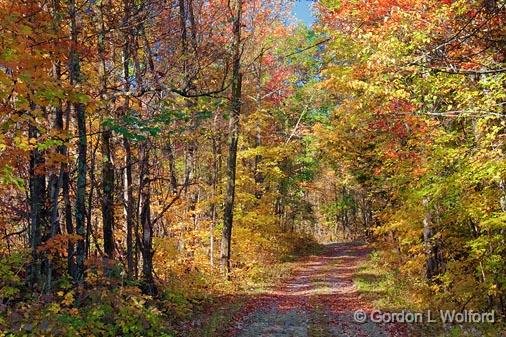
100,311
11,282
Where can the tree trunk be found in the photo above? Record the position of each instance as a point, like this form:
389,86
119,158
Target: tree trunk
55,184
90,233
55,180
172,166
214,191
107,194
37,198
80,211
71,264
258,175
233,139
107,164
145,218
128,179
431,247
191,146
129,206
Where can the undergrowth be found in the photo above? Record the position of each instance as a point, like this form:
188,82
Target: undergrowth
390,290
191,298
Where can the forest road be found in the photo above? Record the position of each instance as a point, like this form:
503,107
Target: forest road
318,300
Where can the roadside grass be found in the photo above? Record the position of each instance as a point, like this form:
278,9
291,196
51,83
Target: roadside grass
381,286
388,291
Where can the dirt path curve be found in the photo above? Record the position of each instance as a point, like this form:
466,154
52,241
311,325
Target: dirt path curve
318,300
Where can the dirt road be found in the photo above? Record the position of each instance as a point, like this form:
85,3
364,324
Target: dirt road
319,300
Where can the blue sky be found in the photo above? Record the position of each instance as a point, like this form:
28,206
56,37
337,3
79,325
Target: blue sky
302,11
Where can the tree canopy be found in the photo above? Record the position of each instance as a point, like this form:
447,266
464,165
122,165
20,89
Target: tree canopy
154,154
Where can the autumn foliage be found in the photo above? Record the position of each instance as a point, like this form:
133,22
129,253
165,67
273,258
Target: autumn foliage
155,155
419,126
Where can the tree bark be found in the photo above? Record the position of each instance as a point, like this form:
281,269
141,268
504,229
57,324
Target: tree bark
79,108
69,226
145,218
172,166
107,194
107,164
431,247
128,179
214,191
257,173
37,198
55,184
90,233
233,140
55,180
129,206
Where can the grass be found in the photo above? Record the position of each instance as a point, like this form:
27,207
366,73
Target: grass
381,286
389,291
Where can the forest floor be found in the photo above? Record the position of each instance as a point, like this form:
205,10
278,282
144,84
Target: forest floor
318,299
